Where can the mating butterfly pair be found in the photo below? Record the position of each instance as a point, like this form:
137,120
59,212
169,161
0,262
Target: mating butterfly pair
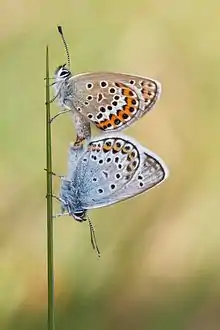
113,167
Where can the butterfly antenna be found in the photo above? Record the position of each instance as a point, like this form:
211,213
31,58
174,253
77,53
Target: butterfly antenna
60,30
93,238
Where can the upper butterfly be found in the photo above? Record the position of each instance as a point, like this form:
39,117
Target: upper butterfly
111,101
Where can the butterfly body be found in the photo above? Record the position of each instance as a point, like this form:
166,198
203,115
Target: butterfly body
109,169
64,92
62,88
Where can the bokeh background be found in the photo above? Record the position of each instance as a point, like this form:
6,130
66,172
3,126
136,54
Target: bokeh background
160,264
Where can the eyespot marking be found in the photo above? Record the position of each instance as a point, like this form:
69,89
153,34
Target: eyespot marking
129,168
102,109
112,90
117,121
103,84
133,102
89,85
114,103
100,97
99,116
105,174
89,115
125,116
134,163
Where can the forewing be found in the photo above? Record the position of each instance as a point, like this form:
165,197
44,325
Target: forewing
107,165
113,101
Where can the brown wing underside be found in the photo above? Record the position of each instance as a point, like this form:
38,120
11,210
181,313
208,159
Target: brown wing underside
114,101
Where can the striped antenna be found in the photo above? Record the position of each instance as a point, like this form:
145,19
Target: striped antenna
93,237
60,30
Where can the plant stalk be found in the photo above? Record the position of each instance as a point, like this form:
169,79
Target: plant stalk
50,266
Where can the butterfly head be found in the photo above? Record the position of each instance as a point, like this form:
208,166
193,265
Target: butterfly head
79,215
62,73
70,203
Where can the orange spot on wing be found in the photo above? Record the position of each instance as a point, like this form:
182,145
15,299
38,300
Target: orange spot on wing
120,115
125,151
104,124
116,149
101,125
127,92
107,148
125,110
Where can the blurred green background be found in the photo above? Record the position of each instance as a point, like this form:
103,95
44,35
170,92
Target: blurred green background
160,264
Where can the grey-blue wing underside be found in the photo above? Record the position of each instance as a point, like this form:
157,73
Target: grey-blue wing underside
113,169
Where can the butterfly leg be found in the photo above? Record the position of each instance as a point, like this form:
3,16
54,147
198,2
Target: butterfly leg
60,215
57,198
54,196
53,99
54,174
58,114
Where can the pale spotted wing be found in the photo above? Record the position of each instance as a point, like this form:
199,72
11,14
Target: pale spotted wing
113,101
114,168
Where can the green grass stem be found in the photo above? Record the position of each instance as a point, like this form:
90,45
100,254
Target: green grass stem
50,270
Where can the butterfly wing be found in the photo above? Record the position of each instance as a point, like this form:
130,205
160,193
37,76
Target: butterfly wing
151,173
114,168
113,101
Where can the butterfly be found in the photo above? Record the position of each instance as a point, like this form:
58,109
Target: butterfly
106,170
111,101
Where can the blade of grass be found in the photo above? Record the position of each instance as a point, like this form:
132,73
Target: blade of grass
50,270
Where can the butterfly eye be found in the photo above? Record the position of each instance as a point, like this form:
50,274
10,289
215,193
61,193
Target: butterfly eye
64,73
79,215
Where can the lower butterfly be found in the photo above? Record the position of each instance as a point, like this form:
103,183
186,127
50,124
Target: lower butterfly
107,170
111,101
